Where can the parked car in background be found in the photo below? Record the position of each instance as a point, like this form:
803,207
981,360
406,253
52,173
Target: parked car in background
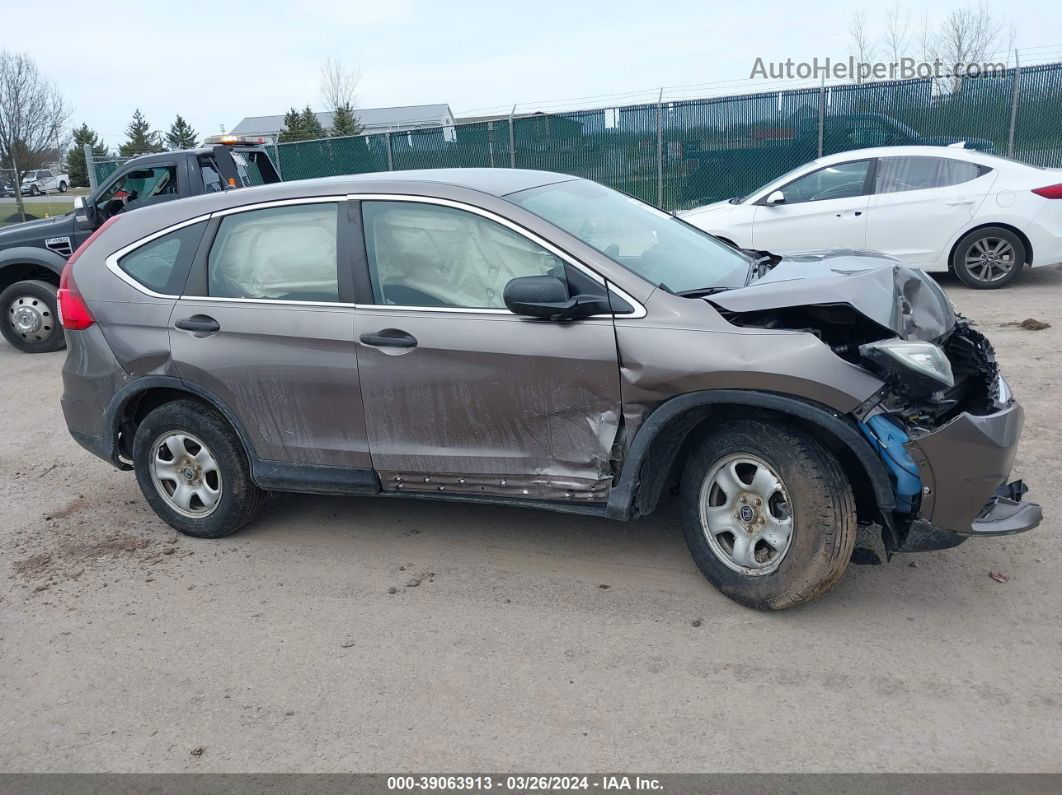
32,254
7,189
725,172
534,339
44,180
982,216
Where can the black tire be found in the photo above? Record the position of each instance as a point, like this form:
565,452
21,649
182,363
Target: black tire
62,187
821,506
42,300
34,190
970,273
240,500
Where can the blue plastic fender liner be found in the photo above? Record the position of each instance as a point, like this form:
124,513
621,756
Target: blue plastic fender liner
888,439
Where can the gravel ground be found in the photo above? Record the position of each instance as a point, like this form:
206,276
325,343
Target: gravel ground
513,639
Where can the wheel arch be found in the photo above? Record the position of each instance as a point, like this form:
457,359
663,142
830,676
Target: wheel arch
132,403
27,262
665,440
999,225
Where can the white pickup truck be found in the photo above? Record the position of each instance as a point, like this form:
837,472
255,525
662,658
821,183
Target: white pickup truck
44,180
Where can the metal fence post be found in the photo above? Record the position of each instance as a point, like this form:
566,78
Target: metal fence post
660,149
90,165
390,155
1014,92
822,113
490,141
512,140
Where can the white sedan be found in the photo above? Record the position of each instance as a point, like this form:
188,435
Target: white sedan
936,208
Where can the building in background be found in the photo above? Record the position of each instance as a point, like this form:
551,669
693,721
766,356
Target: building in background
373,120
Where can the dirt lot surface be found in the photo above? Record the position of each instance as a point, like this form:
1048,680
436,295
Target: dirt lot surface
514,639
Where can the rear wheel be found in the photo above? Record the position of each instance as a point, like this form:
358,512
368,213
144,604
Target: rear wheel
193,470
768,514
989,258
30,317
62,187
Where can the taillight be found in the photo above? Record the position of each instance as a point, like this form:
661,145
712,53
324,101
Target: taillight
74,313
1050,191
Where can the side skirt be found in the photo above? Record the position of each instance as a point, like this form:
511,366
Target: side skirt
309,479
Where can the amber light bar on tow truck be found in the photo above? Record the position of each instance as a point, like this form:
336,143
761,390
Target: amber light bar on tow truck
230,139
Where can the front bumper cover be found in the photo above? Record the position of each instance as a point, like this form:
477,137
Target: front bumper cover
964,466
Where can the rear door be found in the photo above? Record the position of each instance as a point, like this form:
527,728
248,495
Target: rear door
266,325
824,209
919,204
461,395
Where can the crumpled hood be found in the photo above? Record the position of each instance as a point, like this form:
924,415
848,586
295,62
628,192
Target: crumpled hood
892,295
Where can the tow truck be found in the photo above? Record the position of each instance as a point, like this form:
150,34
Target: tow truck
33,254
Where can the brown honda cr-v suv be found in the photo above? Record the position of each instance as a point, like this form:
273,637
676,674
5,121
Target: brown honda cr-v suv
535,339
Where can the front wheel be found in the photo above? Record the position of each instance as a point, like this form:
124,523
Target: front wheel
768,514
30,317
989,258
193,471
34,190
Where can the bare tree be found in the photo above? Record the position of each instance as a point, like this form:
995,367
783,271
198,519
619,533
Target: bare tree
966,36
32,117
896,40
862,46
338,84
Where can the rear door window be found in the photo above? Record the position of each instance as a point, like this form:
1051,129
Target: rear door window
898,174
277,253
162,265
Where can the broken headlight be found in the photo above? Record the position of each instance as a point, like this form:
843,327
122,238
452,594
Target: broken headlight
921,366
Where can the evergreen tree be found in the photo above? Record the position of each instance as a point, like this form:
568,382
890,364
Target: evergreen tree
75,158
141,139
344,122
311,127
292,127
181,135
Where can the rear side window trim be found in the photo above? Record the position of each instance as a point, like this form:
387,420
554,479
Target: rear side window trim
112,260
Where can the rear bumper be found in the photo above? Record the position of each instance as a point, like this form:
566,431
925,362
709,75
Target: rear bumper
964,466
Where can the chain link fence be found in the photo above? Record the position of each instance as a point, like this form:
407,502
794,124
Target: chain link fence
681,154
685,153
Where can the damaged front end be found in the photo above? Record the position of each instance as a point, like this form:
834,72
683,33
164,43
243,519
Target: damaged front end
945,423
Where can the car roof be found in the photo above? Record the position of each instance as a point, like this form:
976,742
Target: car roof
495,181
953,152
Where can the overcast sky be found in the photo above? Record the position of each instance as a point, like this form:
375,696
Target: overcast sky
217,62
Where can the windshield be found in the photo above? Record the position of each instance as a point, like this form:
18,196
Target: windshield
661,249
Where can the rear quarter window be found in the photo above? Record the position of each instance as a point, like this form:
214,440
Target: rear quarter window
162,265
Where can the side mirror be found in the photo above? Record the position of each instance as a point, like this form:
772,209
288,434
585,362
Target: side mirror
84,214
547,297
776,197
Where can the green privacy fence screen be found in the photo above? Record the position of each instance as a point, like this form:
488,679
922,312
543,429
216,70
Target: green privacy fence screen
681,154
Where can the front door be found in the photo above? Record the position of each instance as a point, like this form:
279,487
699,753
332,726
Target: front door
267,326
823,209
460,394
